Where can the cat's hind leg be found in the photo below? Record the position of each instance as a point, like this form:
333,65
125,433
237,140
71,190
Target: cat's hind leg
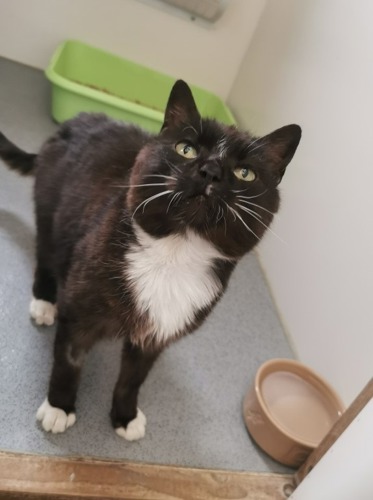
43,303
128,420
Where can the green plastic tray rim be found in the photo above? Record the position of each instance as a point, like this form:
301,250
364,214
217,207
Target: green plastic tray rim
137,111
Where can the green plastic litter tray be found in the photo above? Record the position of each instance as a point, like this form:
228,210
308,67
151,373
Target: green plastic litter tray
85,78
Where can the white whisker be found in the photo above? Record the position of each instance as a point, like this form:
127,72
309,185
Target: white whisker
256,205
179,197
256,216
250,148
140,185
172,167
192,128
161,175
151,198
234,212
219,217
252,197
258,147
248,210
178,193
224,218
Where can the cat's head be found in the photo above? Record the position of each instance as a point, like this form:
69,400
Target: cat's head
201,175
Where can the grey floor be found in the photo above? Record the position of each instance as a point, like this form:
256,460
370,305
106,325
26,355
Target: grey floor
193,396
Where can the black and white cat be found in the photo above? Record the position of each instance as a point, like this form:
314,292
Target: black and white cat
137,236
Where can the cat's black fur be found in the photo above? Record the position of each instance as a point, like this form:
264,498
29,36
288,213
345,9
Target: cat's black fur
92,180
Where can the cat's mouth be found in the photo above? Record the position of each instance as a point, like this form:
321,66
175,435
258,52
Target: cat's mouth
209,189
202,192
203,207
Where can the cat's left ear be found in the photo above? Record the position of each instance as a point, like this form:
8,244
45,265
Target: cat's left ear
181,108
280,146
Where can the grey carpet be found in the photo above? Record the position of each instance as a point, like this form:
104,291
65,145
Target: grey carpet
193,396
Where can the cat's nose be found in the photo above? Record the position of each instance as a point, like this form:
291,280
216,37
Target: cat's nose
211,171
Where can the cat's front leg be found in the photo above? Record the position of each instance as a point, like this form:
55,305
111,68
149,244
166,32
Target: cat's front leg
57,412
128,420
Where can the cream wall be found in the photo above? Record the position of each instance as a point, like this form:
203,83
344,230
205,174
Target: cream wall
209,57
311,62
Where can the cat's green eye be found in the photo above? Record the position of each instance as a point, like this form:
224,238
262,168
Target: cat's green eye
187,150
245,174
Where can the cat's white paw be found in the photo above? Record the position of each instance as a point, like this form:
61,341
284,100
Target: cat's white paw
135,429
54,419
43,312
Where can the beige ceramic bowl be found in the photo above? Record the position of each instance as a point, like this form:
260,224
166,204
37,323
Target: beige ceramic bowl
289,409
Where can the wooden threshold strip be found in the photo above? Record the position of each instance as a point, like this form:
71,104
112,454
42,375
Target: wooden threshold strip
40,477
339,427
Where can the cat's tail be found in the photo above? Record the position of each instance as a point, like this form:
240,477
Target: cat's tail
15,158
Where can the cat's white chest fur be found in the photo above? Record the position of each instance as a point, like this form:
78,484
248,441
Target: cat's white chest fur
172,279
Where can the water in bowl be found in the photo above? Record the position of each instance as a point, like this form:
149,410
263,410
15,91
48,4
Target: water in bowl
298,407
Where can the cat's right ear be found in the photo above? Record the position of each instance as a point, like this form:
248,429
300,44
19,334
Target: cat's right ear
181,108
279,147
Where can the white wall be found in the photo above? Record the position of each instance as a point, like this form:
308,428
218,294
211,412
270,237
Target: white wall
208,57
311,62
345,471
